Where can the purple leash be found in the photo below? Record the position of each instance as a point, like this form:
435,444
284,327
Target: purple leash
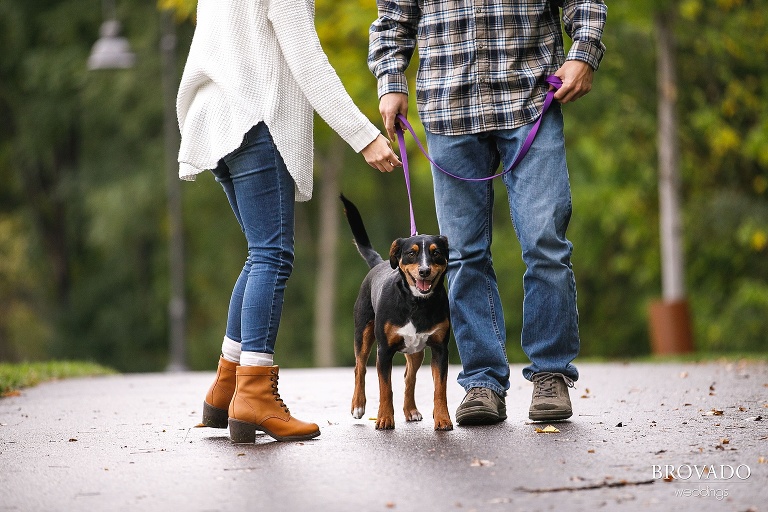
402,121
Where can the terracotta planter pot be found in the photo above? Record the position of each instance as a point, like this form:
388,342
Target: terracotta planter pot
670,323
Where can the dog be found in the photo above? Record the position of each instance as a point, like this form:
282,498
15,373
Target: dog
403,306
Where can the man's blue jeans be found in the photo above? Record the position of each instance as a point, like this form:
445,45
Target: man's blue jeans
262,195
539,197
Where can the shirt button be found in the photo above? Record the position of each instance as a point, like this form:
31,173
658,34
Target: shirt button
479,10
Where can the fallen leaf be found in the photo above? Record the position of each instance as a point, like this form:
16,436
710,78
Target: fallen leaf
590,451
713,412
389,504
199,425
725,441
373,418
762,460
72,440
683,375
241,455
476,463
669,478
754,418
619,424
549,429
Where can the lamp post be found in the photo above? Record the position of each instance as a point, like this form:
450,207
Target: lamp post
177,307
113,52
110,51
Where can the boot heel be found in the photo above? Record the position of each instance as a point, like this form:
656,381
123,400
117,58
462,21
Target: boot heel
241,431
214,417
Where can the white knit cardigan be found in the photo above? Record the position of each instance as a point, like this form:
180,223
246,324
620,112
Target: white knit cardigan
261,60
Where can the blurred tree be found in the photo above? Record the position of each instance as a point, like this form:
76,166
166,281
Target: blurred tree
83,233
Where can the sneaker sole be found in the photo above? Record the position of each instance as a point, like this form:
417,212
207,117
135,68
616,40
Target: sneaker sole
480,416
549,415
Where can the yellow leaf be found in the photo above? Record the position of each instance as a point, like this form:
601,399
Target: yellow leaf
549,429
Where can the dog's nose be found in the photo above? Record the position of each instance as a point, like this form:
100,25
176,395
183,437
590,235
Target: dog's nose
424,272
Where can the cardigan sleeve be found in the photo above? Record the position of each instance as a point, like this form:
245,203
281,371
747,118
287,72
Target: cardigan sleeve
293,23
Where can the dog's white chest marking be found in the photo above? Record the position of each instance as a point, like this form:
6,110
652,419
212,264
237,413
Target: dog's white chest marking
414,341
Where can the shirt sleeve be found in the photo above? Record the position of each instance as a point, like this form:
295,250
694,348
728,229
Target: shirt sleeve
392,40
584,22
293,22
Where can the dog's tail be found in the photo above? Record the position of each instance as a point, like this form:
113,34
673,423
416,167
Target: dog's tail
362,241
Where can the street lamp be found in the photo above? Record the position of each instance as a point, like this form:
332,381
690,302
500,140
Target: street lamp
111,51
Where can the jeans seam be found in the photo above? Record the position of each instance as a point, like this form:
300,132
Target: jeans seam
273,306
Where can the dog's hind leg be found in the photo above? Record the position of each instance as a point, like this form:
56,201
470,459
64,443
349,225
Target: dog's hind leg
363,344
412,365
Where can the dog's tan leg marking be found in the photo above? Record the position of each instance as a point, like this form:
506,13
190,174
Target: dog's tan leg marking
441,415
412,365
386,417
361,359
440,378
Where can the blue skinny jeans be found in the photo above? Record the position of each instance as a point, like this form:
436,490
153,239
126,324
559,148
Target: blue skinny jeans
261,193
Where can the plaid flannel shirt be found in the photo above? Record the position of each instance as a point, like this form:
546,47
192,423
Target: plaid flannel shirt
482,63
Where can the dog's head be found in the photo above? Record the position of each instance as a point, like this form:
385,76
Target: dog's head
422,259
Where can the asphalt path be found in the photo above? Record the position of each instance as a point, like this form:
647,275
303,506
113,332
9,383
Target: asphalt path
678,437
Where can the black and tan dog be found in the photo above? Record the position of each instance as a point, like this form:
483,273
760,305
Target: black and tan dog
403,306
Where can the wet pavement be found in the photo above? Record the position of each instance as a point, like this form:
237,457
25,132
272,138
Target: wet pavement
130,443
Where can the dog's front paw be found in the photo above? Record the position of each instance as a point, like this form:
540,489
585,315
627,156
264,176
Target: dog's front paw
413,415
357,412
385,423
443,421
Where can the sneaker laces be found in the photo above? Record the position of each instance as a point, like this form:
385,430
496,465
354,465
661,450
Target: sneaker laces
546,384
478,394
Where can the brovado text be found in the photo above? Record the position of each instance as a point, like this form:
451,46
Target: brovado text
701,471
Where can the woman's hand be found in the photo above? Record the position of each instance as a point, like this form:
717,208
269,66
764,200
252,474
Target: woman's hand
379,155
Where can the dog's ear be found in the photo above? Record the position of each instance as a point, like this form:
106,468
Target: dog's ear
444,243
394,253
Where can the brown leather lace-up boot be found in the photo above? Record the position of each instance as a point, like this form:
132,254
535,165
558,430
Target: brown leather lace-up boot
219,395
257,405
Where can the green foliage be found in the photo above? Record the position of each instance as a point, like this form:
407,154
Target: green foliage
83,228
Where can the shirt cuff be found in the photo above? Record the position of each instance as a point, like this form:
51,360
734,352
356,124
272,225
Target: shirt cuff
588,52
392,82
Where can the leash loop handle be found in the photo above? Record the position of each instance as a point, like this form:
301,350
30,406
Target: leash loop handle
552,80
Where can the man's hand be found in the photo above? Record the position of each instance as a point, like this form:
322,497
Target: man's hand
577,80
390,105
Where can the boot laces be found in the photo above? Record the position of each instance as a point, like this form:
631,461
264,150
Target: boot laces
277,394
546,384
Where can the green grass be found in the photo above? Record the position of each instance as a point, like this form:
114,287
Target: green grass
16,376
